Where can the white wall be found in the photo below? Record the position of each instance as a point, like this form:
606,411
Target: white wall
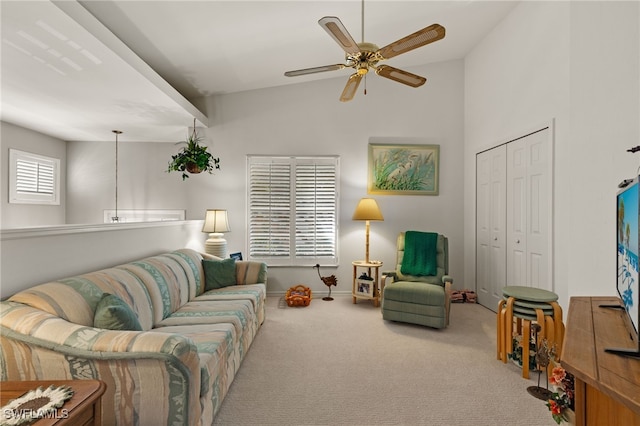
308,119
143,182
302,119
575,63
545,61
605,112
21,215
38,255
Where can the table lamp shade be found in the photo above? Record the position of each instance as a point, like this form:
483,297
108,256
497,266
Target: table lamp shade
215,223
367,209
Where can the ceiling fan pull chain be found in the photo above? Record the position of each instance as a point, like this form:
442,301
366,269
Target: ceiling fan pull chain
365,84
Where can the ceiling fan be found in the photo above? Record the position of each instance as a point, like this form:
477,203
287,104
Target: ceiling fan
365,56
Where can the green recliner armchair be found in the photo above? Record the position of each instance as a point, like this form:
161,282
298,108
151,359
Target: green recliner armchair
419,290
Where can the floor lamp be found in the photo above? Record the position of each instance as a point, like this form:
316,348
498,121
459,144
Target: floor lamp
215,223
367,210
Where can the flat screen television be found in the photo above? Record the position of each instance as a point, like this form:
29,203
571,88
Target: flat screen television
628,213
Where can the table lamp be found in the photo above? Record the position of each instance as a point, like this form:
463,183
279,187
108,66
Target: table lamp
215,223
367,210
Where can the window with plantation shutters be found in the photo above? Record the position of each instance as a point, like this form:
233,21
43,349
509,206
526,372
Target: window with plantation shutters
293,210
33,178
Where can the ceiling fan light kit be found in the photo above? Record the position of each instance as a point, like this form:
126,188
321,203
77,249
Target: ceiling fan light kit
365,56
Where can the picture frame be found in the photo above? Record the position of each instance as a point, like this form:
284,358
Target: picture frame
236,256
365,287
403,169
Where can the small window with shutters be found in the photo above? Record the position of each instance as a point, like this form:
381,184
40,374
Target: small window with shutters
293,210
33,178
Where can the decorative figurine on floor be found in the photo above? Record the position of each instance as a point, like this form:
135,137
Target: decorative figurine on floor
543,357
328,281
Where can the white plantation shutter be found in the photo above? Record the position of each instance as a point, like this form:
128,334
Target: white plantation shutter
293,205
33,178
269,209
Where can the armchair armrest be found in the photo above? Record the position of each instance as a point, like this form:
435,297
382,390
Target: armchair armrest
383,281
448,288
389,274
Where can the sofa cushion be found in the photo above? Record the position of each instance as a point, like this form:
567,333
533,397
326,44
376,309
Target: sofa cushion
256,293
219,273
167,279
248,272
239,313
114,314
219,360
75,298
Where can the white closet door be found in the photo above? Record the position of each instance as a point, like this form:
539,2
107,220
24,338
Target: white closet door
490,226
514,196
517,213
529,211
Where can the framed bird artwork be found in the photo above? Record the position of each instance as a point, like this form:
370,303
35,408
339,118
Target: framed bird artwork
403,169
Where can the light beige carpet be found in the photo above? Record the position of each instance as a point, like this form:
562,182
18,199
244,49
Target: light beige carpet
336,363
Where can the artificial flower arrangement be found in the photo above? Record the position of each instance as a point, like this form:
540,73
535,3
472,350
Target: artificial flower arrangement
562,400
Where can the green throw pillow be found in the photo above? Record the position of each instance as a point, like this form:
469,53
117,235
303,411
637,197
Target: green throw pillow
219,273
113,314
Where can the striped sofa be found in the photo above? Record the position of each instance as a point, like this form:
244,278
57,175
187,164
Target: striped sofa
176,371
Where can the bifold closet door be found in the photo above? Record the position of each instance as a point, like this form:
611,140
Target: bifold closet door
513,216
491,181
528,211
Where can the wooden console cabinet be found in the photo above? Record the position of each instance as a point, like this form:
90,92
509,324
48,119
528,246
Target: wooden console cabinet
607,385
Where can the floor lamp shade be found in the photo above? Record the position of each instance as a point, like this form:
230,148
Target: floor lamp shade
367,210
216,222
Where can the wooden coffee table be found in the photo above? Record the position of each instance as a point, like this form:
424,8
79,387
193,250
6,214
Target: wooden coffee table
84,407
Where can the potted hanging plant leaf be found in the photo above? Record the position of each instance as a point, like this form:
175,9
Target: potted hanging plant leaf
193,157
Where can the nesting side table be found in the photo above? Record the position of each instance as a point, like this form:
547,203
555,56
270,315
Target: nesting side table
523,306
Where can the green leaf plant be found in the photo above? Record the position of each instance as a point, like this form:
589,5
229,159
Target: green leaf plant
193,158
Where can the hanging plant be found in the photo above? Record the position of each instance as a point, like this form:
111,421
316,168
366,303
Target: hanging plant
193,158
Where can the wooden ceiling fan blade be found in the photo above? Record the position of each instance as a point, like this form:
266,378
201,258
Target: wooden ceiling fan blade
350,89
314,70
400,76
420,38
339,33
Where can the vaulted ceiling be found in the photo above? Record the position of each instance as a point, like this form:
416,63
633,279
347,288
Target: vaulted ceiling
77,70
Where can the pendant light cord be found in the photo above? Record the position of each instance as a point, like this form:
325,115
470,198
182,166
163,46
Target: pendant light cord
115,218
116,175
362,19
